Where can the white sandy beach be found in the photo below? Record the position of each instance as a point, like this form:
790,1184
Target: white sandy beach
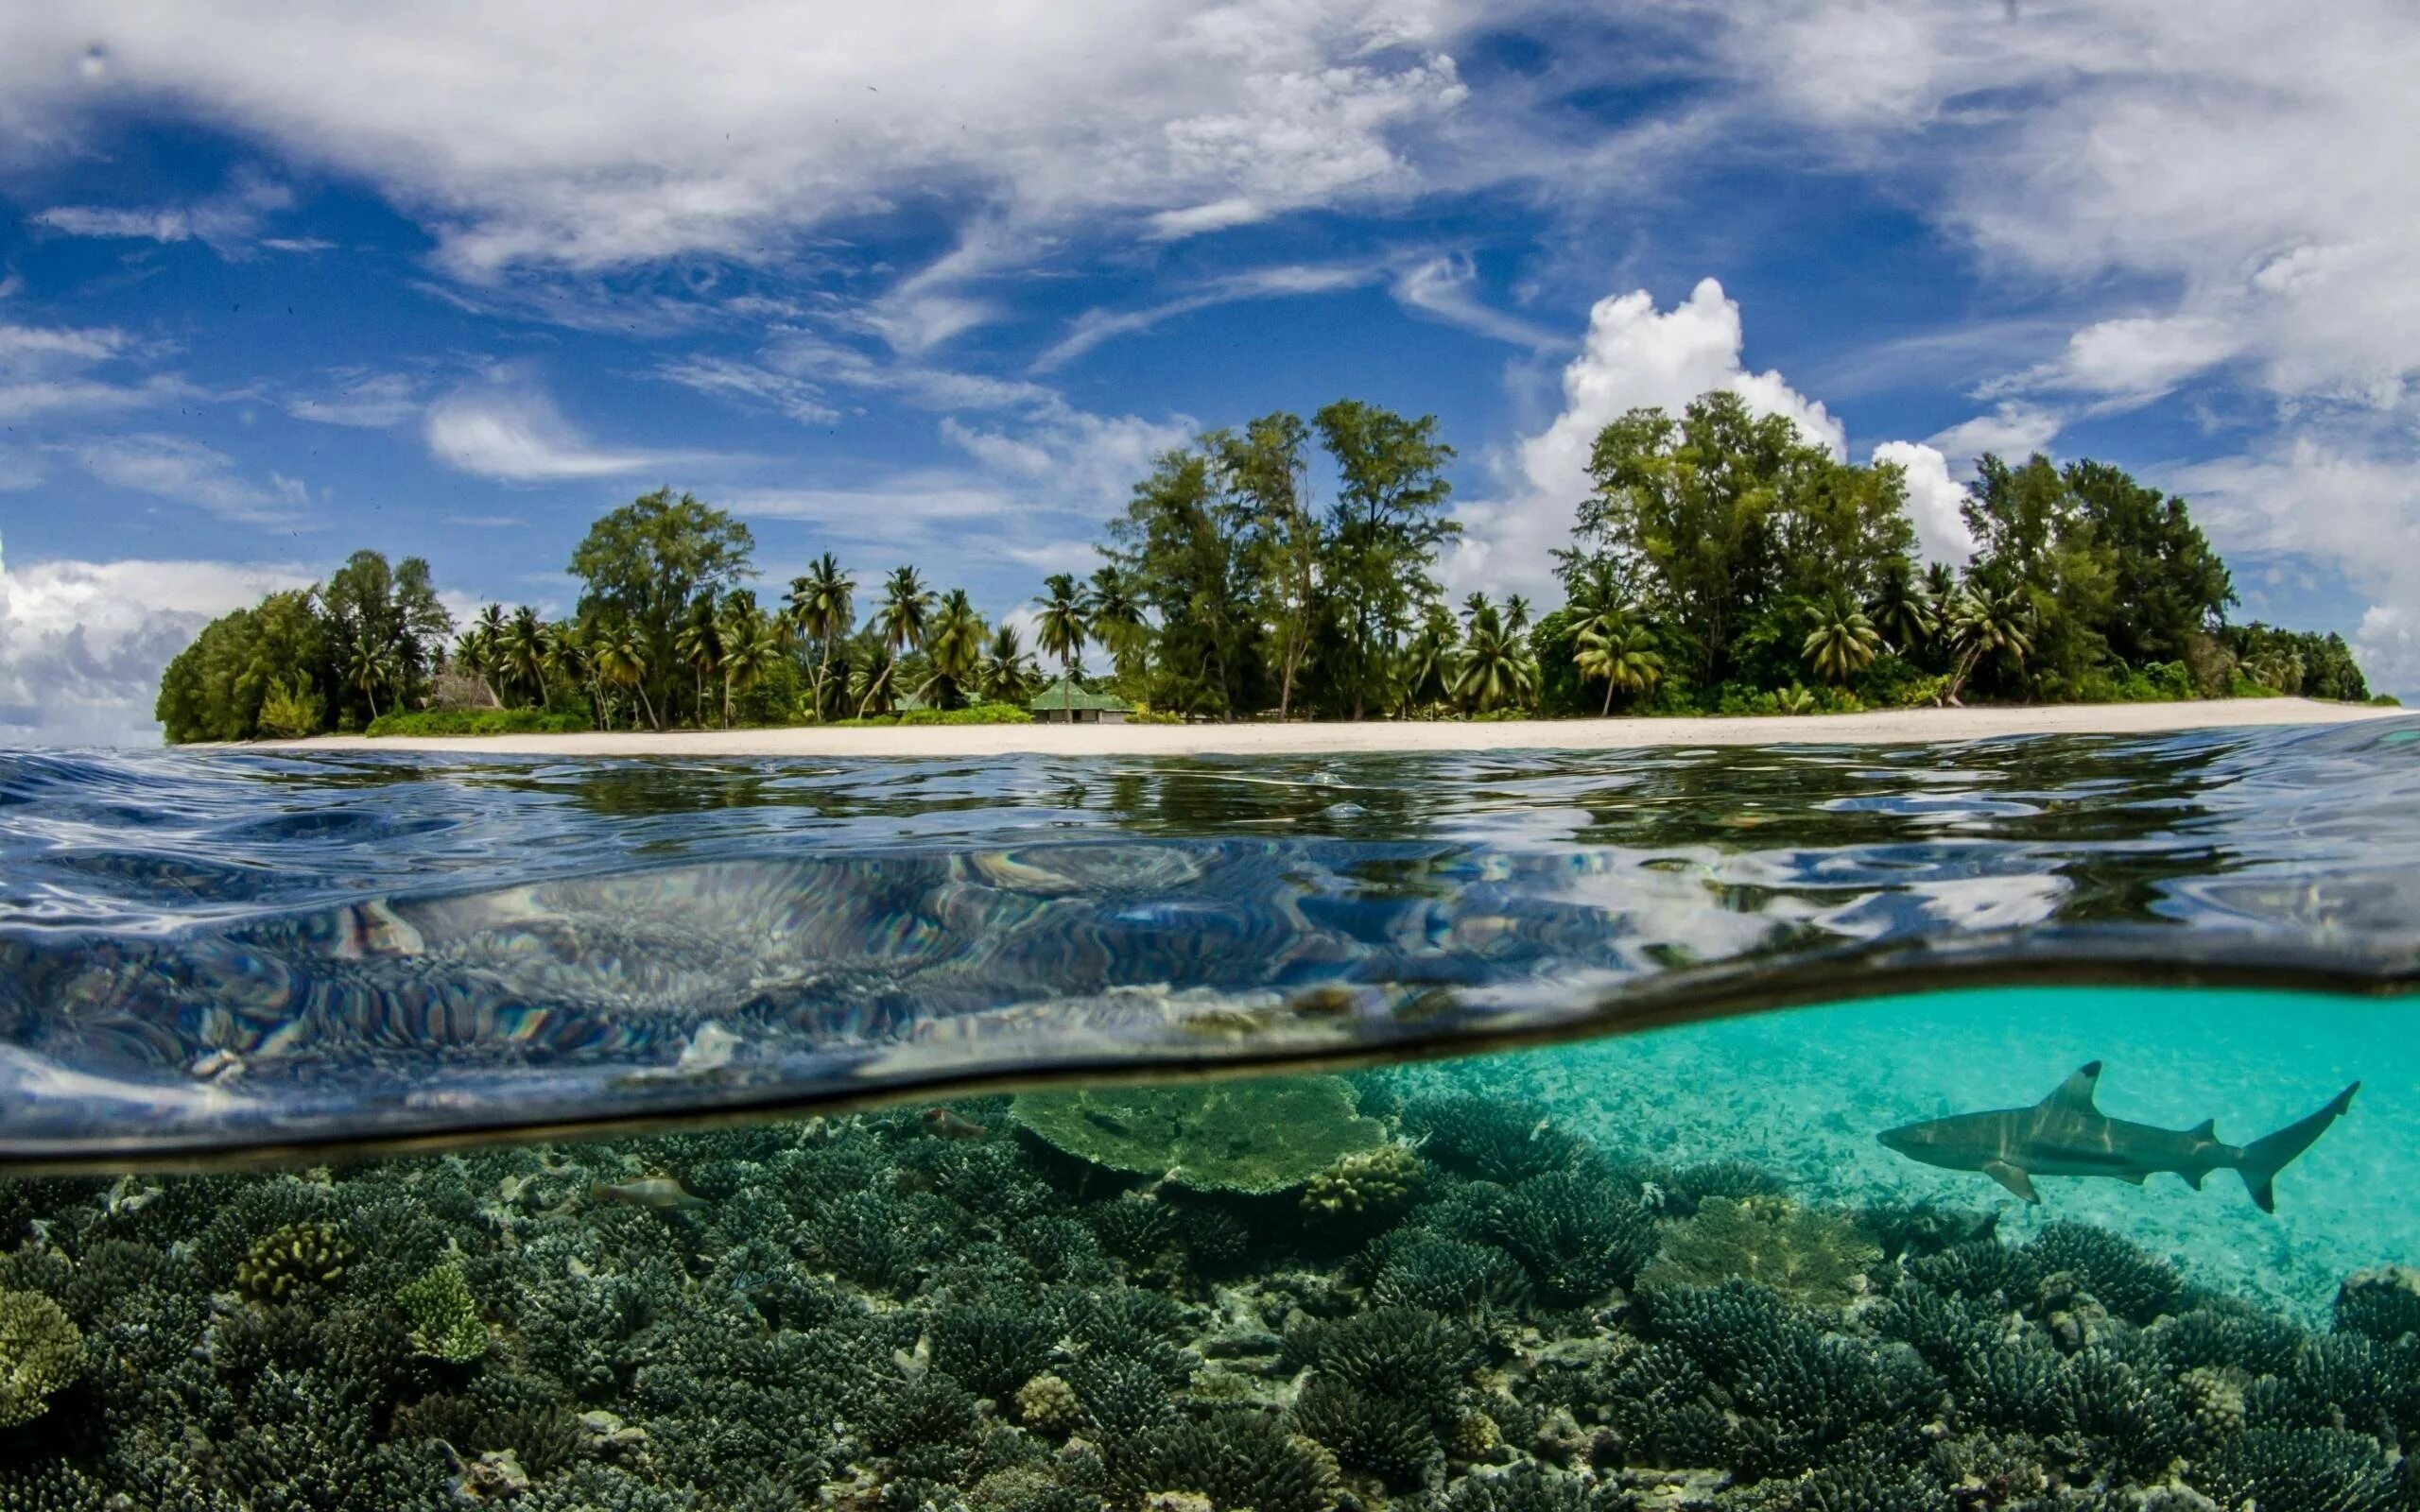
1880,728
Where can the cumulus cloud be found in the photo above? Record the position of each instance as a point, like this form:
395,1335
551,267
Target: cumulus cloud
83,644
2014,428
1634,356
764,118
184,471
511,431
1933,501
2387,648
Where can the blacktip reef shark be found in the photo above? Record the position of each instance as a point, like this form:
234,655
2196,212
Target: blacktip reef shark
2067,1134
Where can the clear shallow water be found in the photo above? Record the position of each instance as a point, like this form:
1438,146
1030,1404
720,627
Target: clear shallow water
1666,1269
208,953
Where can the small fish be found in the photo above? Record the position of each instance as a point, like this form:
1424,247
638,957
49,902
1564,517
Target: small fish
2067,1134
661,1193
951,1125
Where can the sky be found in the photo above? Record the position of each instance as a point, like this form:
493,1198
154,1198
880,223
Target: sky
933,283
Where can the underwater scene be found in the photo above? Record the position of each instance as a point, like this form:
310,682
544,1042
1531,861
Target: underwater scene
2025,1124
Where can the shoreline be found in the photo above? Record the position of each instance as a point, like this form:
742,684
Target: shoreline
943,742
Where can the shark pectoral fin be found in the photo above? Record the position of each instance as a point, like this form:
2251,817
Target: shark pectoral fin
2013,1177
2193,1179
2075,1093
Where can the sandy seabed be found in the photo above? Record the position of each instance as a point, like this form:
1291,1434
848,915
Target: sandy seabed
1880,728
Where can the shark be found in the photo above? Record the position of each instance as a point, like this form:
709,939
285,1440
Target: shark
2067,1134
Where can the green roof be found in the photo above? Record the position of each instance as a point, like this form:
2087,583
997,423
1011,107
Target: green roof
1052,697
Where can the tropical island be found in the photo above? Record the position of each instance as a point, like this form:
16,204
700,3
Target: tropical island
1721,565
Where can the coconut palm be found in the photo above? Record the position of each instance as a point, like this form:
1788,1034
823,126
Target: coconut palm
1983,622
1843,641
618,653
371,667
476,653
1902,609
907,610
699,643
1428,664
1061,630
1114,614
1494,669
524,652
563,652
875,684
1007,673
822,607
1941,592
1621,653
751,643
954,644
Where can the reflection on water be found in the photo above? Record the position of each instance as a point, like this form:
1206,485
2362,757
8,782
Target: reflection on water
1672,1270
212,952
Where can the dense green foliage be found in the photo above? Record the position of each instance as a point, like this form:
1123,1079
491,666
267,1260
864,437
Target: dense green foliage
855,1312
1721,562
477,722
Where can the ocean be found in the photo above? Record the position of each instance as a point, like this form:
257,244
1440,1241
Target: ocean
1483,1132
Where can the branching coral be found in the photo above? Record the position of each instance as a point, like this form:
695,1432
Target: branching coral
293,1255
1812,1258
1373,1184
1251,1137
444,1316
1237,1458
1576,1235
1490,1139
41,1352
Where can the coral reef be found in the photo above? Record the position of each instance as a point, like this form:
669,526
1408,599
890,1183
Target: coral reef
1409,1304
1250,1136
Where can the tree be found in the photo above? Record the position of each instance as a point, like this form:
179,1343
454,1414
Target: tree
643,564
1061,629
2168,586
2035,540
1183,543
1389,519
1902,609
1265,468
906,603
525,646
1983,622
1007,673
1843,641
566,652
1113,614
1621,653
618,650
751,643
1494,670
390,617
875,684
370,666
1427,661
699,641
956,650
822,608
214,688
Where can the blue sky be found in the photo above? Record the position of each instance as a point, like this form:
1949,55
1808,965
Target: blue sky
933,286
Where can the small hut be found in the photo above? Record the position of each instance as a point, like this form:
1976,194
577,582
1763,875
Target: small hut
1063,703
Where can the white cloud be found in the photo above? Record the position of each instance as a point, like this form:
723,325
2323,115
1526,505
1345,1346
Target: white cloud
2387,645
1444,288
1933,500
1634,356
2015,429
1085,460
83,644
763,118
369,401
51,372
753,385
229,222
184,471
512,432
1093,327
2145,356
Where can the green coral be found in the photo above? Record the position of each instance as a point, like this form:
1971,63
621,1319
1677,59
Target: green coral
444,1316
1818,1259
1253,1137
1375,1184
290,1255
41,1352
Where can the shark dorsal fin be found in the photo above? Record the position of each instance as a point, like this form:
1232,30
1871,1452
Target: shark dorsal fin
2207,1129
2075,1093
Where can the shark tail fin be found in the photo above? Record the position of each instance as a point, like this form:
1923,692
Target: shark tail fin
2272,1153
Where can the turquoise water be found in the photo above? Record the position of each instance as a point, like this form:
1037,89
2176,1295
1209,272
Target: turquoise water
614,1137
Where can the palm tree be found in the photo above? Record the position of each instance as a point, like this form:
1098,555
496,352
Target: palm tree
907,607
371,668
1902,611
1061,630
1428,660
955,647
751,643
1843,641
474,656
876,684
618,652
1981,623
823,607
1941,592
1494,669
1621,652
525,650
1007,671
699,643
1114,616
